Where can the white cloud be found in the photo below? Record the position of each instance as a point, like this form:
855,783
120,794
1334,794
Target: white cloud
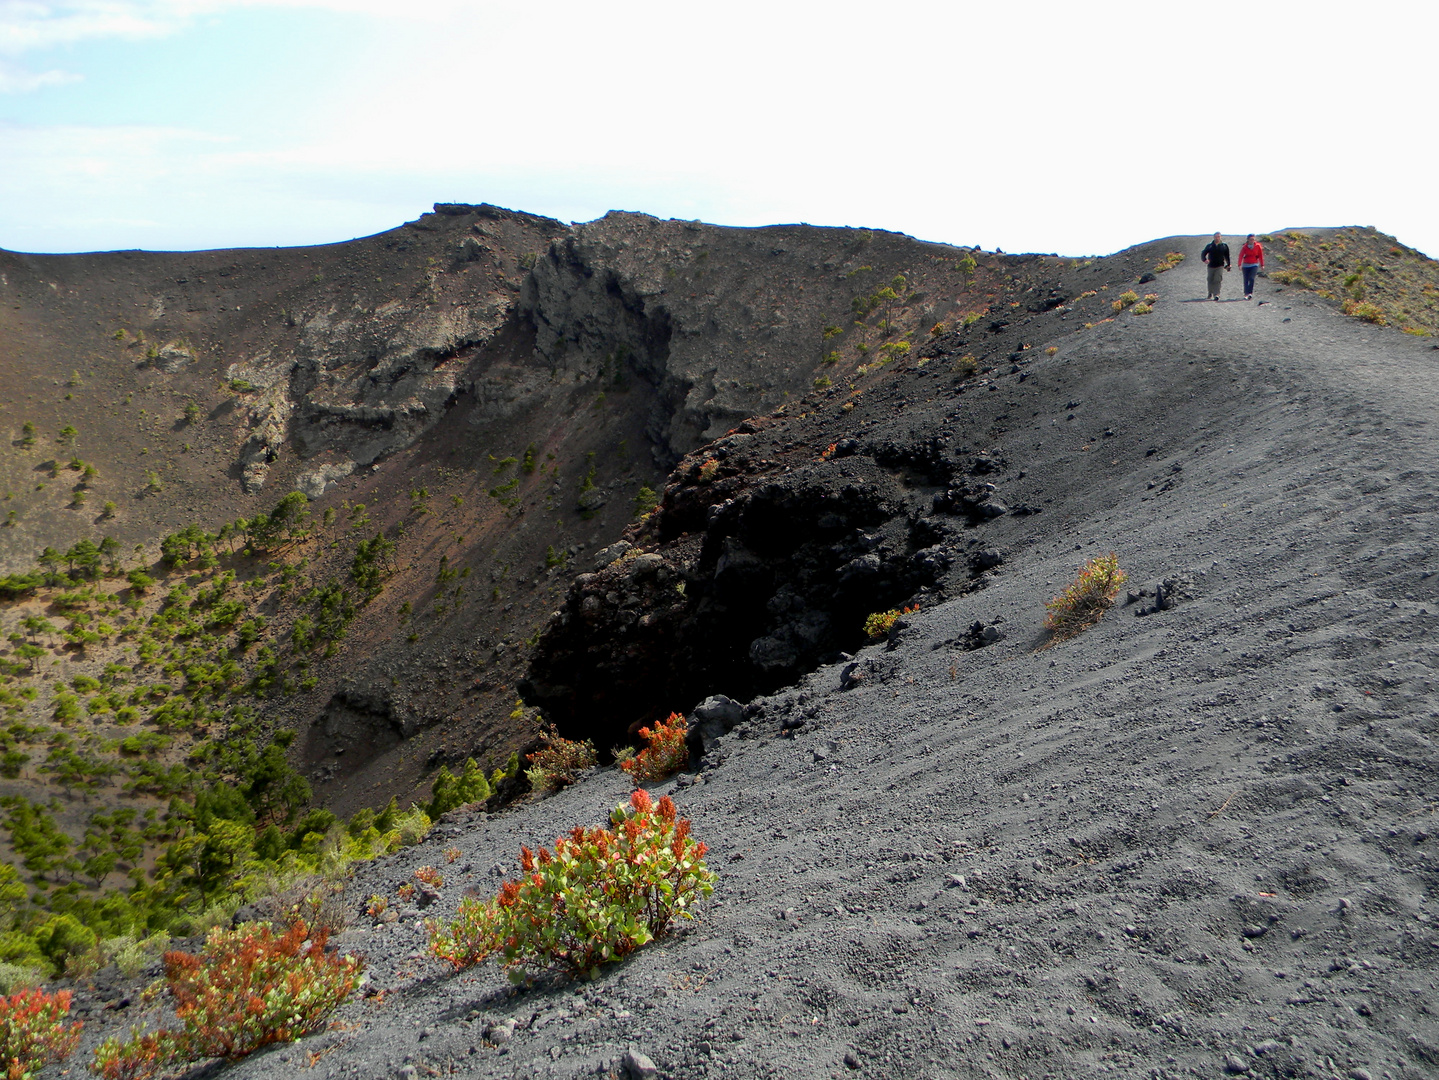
31,25
1058,129
15,79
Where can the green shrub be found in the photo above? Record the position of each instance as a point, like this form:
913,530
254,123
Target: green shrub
450,791
15,977
601,895
1087,598
63,938
507,771
879,624
33,1032
410,828
1126,298
559,762
18,949
966,366
1361,309
646,501
132,956
246,989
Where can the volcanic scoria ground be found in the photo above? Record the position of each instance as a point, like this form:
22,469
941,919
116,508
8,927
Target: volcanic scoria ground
1196,839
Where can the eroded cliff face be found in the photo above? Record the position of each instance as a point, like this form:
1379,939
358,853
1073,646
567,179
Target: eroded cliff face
360,376
725,323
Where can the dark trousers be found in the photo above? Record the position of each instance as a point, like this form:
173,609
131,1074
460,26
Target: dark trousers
1250,273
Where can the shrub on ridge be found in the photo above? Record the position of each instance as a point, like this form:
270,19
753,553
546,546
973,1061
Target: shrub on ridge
559,762
878,625
599,896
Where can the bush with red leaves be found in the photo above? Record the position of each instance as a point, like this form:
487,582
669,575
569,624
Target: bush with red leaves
33,1032
247,988
601,895
665,754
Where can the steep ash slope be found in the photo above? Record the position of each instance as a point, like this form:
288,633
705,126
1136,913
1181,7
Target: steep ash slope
474,403
1188,843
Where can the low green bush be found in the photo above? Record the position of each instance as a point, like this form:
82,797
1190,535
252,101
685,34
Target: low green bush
601,895
559,761
878,625
1087,598
450,791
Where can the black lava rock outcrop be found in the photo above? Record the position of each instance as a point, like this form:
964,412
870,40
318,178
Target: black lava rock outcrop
759,570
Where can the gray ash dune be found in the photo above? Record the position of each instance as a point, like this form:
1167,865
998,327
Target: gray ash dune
1196,839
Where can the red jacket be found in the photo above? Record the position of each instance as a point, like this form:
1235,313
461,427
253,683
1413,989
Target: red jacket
1250,254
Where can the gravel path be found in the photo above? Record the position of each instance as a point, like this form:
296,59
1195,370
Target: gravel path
1189,843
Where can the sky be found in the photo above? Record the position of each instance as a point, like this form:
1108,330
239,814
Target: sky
1078,129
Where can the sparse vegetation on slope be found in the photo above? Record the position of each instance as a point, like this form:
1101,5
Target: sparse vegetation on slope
1372,276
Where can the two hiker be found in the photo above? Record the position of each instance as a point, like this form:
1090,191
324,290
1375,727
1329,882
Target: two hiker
1216,258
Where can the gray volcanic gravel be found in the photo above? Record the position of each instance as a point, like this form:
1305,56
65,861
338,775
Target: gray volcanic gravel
1191,843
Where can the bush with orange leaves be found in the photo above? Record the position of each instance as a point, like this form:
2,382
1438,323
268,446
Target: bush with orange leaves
880,623
666,752
33,1032
1088,597
245,989
601,895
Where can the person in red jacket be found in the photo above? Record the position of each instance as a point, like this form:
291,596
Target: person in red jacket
1251,258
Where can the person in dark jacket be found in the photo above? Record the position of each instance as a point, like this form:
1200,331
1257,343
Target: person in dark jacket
1216,257
1251,261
